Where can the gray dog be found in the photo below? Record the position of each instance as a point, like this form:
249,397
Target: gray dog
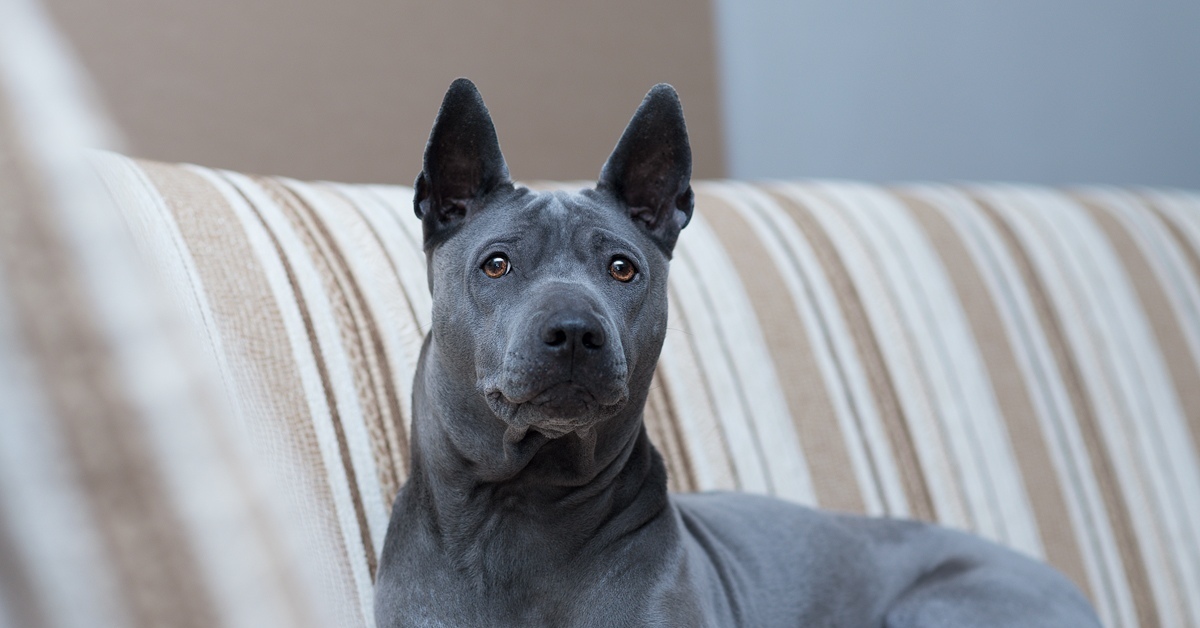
536,498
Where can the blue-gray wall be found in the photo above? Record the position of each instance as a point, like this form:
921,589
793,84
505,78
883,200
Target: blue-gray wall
1044,91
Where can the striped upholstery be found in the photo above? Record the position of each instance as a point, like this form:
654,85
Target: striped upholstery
1020,362
127,495
205,376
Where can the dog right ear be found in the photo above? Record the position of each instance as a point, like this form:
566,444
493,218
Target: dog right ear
650,170
463,163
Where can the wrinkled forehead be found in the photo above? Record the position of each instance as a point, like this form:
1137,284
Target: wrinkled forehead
555,220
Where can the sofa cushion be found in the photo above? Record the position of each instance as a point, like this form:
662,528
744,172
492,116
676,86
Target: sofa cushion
1020,362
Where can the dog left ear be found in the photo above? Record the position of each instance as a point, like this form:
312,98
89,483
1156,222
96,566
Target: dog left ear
650,170
463,163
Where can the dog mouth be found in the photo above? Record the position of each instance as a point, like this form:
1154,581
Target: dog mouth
555,410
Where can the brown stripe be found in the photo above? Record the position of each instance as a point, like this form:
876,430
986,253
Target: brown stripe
1159,312
1101,462
867,346
1158,309
686,330
368,355
1168,328
396,433
392,212
379,241
385,421
18,596
672,420
800,378
652,422
101,426
311,454
1029,446
663,425
249,322
1185,245
683,257
290,206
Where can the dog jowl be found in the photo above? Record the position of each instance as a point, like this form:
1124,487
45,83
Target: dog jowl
535,497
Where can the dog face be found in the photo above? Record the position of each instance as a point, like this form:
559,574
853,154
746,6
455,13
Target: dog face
552,304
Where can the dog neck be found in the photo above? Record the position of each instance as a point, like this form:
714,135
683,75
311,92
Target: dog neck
491,492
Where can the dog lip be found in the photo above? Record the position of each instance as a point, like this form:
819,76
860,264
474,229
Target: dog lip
498,394
532,396
553,416
547,394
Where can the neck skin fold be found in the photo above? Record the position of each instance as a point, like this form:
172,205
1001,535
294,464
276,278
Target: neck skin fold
498,497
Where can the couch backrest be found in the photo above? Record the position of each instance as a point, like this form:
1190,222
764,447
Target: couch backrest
1020,362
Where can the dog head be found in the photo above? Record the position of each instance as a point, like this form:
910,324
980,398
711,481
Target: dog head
552,305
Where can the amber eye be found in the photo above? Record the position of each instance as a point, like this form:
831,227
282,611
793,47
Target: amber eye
622,269
497,266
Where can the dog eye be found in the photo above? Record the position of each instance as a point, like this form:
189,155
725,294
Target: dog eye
622,269
497,266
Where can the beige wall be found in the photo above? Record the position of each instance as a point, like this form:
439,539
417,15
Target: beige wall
347,90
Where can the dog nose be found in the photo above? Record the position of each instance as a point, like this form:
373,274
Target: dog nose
568,332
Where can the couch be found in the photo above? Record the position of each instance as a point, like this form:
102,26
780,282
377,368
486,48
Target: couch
205,374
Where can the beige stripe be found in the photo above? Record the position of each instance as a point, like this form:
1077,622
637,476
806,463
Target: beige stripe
1172,344
799,377
915,490
395,430
374,375
52,548
1048,393
365,352
686,385
1168,329
1193,257
653,423
750,402
99,421
1102,465
292,207
246,317
833,351
396,203
684,459
1157,306
291,379
686,328
663,426
906,293
20,604
1139,416
1041,482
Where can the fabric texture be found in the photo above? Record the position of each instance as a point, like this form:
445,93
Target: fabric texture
128,497
205,376
1020,362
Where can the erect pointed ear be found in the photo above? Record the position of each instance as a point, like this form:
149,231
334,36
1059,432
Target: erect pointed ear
463,163
650,170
